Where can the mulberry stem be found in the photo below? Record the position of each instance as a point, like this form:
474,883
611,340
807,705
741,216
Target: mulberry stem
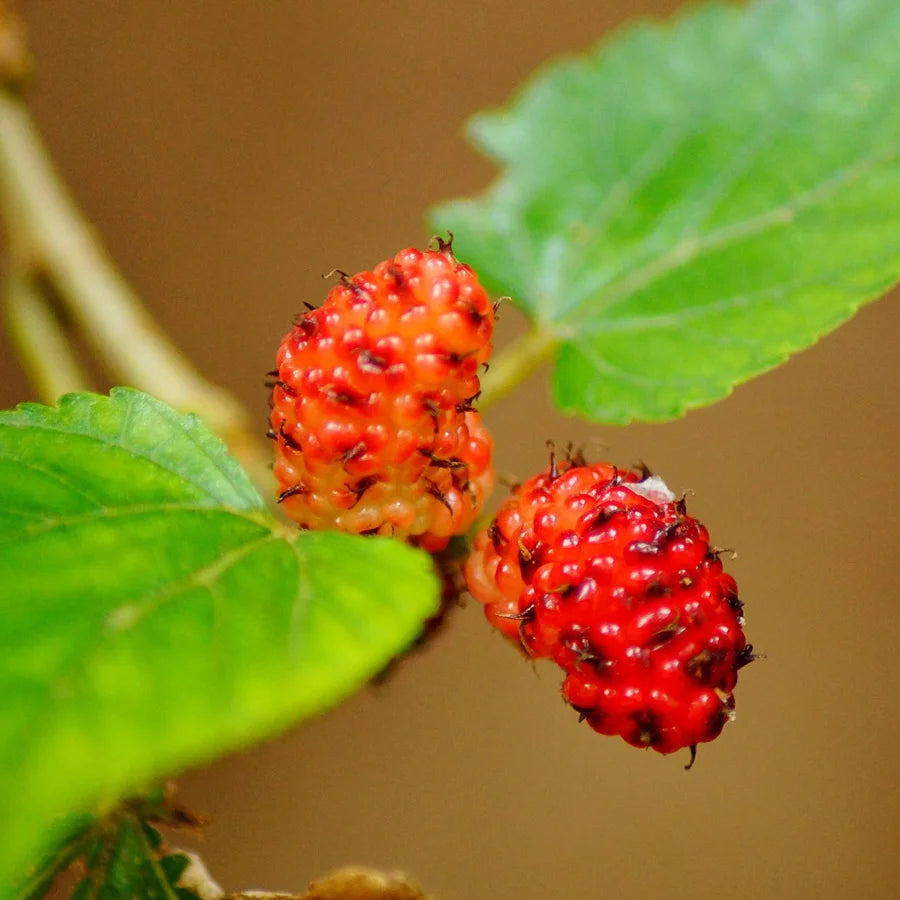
41,341
50,235
62,245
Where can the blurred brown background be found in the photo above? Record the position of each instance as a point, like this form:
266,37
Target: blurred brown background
232,152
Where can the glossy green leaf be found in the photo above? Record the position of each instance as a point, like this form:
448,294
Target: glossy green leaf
692,202
153,614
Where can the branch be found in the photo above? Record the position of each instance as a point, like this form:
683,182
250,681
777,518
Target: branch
40,341
48,233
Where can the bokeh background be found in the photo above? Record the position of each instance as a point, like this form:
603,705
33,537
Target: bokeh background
232,152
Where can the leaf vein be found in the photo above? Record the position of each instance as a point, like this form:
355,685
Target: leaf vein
689,250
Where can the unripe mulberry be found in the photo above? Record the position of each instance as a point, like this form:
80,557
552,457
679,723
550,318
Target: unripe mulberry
372,405
603,571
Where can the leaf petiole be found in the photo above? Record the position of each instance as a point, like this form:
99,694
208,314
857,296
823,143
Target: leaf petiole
515,363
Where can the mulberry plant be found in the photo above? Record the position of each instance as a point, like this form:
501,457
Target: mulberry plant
675,212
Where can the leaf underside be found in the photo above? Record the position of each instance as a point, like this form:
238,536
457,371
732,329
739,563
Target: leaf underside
692,202
153,614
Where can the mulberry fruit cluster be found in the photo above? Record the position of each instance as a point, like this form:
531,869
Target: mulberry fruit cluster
372,404
603,571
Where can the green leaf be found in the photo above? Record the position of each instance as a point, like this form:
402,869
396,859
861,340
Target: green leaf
123,855
153,614
129,861
72,838
692,202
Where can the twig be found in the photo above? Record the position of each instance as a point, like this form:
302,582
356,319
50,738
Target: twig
40,342
50,234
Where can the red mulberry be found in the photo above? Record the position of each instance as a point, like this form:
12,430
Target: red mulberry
372,405
603,571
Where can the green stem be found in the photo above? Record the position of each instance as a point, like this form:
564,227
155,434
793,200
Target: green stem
39,339
48,233
514,364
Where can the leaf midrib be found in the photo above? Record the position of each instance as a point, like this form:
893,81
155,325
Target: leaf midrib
692,248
